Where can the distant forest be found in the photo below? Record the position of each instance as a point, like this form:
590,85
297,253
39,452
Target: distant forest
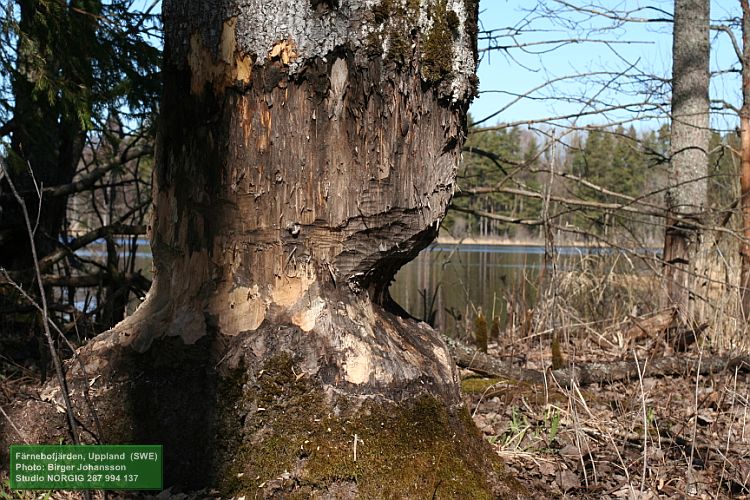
590,176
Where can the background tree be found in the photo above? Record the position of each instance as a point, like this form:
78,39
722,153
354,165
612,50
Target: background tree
68,64
686,244
70,72
612,147
622,162
745,156
493,161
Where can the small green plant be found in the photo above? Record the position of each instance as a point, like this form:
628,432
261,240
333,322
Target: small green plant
552,423
541,434
650,417
519,426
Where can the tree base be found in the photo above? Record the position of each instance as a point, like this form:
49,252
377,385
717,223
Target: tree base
409,449
270,414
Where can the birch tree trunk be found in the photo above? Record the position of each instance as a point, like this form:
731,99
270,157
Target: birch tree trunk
685,244
307,150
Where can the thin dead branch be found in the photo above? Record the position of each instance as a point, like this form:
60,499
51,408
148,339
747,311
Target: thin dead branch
584,374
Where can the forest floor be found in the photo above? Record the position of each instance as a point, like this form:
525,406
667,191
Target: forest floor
653,437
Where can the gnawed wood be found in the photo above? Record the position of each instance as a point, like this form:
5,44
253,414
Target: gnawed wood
583,374
286,196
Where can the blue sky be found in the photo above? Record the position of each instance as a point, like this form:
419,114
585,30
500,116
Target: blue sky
635,48
642,47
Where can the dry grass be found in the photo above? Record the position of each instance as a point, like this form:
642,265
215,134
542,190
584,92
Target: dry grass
656,437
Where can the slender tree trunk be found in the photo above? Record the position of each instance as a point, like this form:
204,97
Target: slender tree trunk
307,150
685,246
745,158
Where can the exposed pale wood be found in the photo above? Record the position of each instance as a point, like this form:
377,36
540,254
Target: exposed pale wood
305,153
650,327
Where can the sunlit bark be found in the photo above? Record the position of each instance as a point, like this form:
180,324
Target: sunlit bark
685,245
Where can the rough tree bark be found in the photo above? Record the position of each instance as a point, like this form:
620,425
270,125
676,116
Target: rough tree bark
685,245
307,150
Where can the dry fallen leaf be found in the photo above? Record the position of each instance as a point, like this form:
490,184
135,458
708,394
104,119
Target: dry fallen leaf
567,480
547,468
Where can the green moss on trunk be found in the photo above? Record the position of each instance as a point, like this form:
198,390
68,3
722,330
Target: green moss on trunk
293,439
437,54
265,429
395,20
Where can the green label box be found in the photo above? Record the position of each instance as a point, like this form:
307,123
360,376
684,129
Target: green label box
86,467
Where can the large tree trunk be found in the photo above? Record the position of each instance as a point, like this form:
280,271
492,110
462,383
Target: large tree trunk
307,150
685,244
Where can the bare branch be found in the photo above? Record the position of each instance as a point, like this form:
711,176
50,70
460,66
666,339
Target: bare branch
45,316
88,238
560,43
87,181
565,116
567,201
728,30
527,94
487,154
625,17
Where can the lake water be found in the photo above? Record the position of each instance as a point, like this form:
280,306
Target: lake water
451,282
447,283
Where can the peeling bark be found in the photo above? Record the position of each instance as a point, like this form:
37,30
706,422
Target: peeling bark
329,170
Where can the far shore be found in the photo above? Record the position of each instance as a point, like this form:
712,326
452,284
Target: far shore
511,242
515,242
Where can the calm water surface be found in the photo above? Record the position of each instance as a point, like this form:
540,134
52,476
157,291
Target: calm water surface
448,283
451,282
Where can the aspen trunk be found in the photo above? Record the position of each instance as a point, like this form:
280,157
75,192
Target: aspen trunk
745,159
307,150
